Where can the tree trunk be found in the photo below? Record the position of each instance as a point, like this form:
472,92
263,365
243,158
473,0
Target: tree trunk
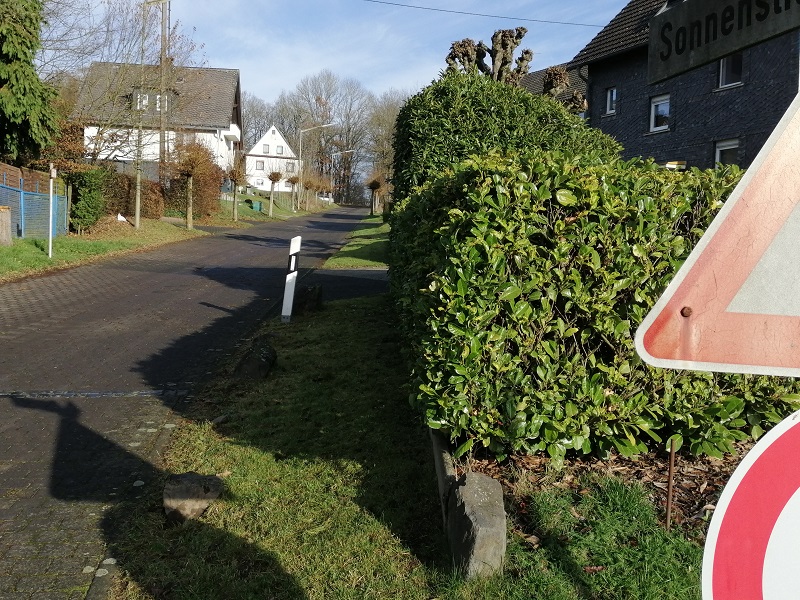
189,206
372,204
235,204
271,194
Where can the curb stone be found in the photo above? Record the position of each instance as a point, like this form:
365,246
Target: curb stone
473,515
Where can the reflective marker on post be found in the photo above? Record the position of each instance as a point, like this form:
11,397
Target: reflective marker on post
291,279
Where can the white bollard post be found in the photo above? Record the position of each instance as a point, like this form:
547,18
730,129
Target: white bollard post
291,279
50,215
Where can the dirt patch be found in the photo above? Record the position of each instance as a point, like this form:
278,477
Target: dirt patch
107,227
698,482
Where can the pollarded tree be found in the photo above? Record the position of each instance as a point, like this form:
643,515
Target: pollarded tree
274,177
294,180
27,116
467,55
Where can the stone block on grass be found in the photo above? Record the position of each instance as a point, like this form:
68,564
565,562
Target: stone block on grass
476,525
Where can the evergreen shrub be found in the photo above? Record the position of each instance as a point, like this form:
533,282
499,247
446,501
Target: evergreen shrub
88,201
462,114
521,282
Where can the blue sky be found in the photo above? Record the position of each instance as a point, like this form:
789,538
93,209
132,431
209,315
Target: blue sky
275,44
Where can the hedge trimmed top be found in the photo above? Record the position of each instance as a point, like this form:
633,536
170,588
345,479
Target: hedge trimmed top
463,114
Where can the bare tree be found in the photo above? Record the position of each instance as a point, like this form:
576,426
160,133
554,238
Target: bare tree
468,55
383,115
122,35
556,81
257,118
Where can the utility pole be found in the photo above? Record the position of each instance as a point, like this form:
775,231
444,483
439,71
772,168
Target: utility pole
140,106
163,104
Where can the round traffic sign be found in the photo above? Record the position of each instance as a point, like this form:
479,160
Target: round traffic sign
752,550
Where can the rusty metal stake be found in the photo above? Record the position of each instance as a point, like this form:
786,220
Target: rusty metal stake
670,482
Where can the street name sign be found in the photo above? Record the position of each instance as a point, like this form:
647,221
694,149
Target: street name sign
751,545
692,33
734,305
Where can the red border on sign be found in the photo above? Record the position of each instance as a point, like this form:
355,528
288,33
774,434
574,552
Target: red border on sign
745,517
711,338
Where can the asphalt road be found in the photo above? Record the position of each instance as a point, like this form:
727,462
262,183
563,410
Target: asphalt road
156,320
96,366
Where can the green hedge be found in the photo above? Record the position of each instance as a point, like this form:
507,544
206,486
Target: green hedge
521,282
464,114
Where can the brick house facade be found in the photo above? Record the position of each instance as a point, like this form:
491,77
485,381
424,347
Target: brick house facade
723,111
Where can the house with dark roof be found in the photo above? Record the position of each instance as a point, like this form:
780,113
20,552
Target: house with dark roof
119,103
271,154
720,112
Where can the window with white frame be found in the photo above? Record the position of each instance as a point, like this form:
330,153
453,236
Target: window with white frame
141,101
611,101
161,102
290,167
259,165
659,113
279,149
265,149
730,70
727,152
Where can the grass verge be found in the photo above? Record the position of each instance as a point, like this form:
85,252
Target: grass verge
29,257
367,248
331,493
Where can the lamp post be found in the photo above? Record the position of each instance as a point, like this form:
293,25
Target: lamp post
300,158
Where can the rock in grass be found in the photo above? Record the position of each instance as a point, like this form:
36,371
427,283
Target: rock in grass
259,360
476,525
188,495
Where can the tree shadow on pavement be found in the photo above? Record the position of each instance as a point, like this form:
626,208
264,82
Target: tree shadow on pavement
379,433
90,467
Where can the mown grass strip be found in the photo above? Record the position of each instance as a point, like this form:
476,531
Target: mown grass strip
331,493
368,247
28,256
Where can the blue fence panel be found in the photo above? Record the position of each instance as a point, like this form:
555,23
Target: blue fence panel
30,211
36,210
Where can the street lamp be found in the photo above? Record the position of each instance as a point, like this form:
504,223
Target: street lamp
300,159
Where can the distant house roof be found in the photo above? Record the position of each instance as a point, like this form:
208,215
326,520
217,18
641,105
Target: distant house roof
628,30
534,82
205,98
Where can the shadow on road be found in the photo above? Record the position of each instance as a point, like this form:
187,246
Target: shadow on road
90,467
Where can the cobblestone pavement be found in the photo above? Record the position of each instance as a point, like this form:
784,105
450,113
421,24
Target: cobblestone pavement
96,364
65,462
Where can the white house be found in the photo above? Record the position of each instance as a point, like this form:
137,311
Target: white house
271,154
193,105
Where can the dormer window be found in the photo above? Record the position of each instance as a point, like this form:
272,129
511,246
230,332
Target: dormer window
140,101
